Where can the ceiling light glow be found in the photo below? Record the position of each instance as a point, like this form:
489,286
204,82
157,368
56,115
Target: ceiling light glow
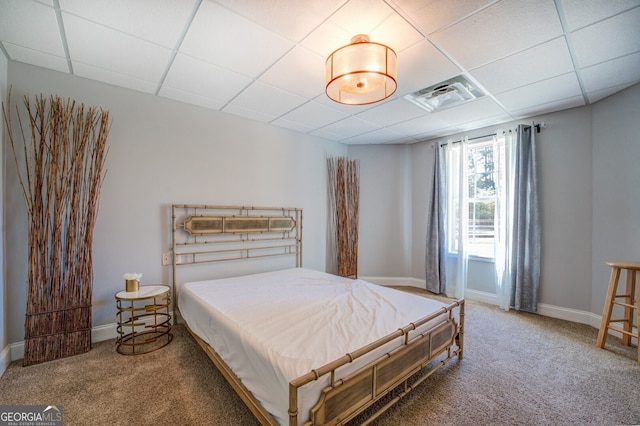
361,73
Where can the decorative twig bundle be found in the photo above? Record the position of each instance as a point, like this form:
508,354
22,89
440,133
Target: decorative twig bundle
344,200
60,168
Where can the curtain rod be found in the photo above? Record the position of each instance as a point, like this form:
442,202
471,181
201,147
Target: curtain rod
537,126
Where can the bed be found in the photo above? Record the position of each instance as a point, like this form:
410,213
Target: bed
302,346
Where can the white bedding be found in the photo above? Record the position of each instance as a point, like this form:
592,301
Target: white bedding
274,327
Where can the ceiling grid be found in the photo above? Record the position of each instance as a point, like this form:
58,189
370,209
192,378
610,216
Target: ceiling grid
264,60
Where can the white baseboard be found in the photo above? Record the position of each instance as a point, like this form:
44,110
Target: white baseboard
482,296
15,351
104,332
98,334
574,315
396,281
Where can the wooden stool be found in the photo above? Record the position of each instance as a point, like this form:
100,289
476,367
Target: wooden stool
631,301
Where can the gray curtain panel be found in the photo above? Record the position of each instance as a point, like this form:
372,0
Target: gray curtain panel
435,264
525,261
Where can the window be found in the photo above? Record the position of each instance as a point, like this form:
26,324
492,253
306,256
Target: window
485,206
480,199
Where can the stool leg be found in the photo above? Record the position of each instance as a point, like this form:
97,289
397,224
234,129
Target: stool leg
608,306
628,312
637,302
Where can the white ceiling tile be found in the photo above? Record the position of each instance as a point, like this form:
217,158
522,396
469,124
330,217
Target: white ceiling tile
501,29
612,73
580,13
540,93
411,7
115,51
31,25
224,38
297,126
350,126
361,16
556,105
422,65
314,115
160,22
432,15
300,71
326,39
477,109
393,112
355,17
484,122
113,78
622,37
325,134
347,110
35,57
201,78
190,98
423,124
248,113
376,137
396,33
538,63
267,100
403,140
293,20
436,133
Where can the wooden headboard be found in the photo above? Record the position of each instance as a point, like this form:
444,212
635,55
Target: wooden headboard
206,234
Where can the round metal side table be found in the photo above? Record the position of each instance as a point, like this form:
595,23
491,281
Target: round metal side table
144,321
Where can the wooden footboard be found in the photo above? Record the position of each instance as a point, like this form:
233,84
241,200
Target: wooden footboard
346,398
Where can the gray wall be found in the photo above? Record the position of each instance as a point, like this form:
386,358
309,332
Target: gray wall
564,168
385,222
164,152
616,186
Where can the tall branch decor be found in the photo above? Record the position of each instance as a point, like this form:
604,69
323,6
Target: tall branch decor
60,163
344,203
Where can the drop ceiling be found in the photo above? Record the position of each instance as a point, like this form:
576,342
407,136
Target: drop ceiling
264,59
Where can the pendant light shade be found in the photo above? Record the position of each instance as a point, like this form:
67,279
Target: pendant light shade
361,72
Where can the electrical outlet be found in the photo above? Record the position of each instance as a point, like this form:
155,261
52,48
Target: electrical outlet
166,259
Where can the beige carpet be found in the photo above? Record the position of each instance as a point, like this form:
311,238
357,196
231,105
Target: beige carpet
518,369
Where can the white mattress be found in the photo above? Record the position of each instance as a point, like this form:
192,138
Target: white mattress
274,327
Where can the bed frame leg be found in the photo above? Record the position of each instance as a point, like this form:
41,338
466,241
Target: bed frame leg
460,337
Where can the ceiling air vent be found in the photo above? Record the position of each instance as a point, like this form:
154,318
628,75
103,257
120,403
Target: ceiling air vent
447,94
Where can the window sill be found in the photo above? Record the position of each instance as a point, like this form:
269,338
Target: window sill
482,259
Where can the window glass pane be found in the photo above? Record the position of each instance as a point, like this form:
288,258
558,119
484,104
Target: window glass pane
481,228
482,193
481,196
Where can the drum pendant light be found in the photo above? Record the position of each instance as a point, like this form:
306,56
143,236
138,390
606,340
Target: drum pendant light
361,73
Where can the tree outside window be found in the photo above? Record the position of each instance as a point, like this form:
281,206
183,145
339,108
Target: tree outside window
481,198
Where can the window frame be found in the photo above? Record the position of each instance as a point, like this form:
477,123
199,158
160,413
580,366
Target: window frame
453,237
